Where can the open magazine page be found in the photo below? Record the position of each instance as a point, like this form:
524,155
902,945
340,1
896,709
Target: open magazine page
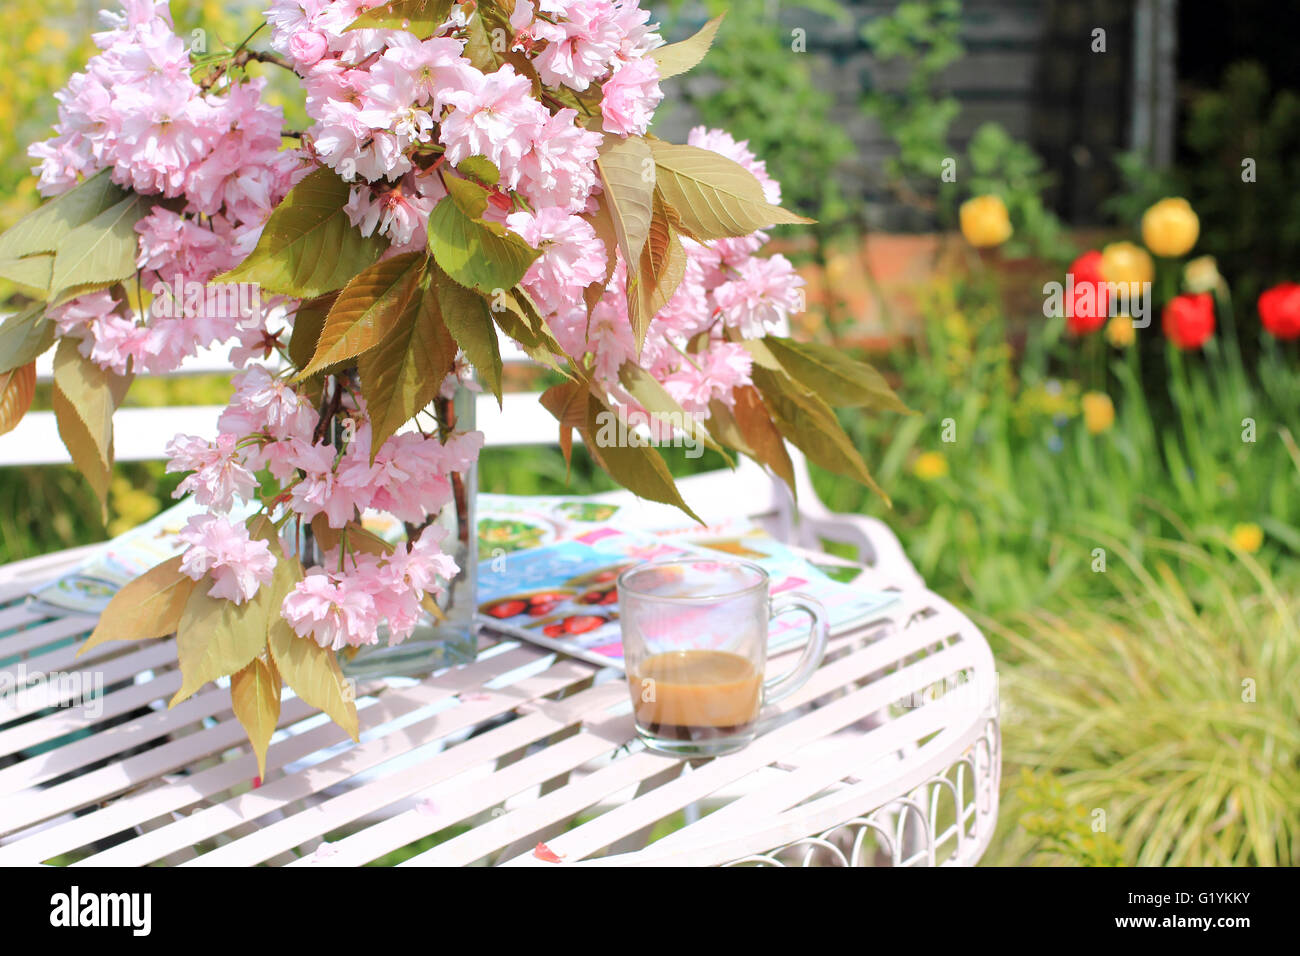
548,569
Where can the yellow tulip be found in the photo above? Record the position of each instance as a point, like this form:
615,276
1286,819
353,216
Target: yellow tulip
984,221
1202,275
1120,332
1247,537
930,465
1170,228
1126,263
1098,411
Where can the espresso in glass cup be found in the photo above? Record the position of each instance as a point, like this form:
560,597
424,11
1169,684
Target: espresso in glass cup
695,638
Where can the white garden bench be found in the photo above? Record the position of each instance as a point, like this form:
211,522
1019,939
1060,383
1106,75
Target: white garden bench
870,762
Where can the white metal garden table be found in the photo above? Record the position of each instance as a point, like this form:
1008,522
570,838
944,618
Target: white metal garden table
889,754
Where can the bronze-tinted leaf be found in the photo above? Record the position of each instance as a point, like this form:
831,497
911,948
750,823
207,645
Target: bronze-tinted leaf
308,323
149,606
421,17
255,699
17,389
568,403
367,311
761,435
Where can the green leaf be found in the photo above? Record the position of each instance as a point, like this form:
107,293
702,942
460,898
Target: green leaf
255,699
636,466
83,410
481,168
43,229
809,423
31,273
421,17
516,315
308,323
713,197
366,311
25,336
469,321
677,58
842,381
309,246
646,390
479,255
627,170
404,373
101,251
216,637
149,606
314,674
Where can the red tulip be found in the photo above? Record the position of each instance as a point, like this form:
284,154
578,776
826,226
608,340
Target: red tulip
1189,320
1279,310
1087,301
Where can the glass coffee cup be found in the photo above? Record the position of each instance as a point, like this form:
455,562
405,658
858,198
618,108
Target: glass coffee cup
695,635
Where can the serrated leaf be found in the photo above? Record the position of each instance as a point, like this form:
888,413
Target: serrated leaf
421,17
677,58
517,316
809,424
761,435
468,319
712,196
17,389
646,390
83,409
308,323
102,251
43,229
149,606
473,252
24,336
636,466
603,224
314,674
627,170
32,273
568,403
366,311
404,373
663,266
842,381
255,699
309,246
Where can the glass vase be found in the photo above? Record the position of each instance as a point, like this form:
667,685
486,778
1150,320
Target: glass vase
450,638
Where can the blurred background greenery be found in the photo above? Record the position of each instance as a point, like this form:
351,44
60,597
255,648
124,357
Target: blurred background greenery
1100,505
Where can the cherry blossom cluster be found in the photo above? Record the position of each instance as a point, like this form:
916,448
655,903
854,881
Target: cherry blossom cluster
271,427
390,109
727,287
216,153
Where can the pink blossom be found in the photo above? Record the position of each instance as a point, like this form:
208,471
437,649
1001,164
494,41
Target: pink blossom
237,564
218,473
630,97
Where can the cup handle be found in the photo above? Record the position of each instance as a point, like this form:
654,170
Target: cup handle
786,684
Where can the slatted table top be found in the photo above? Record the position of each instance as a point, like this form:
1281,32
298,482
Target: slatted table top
482,763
